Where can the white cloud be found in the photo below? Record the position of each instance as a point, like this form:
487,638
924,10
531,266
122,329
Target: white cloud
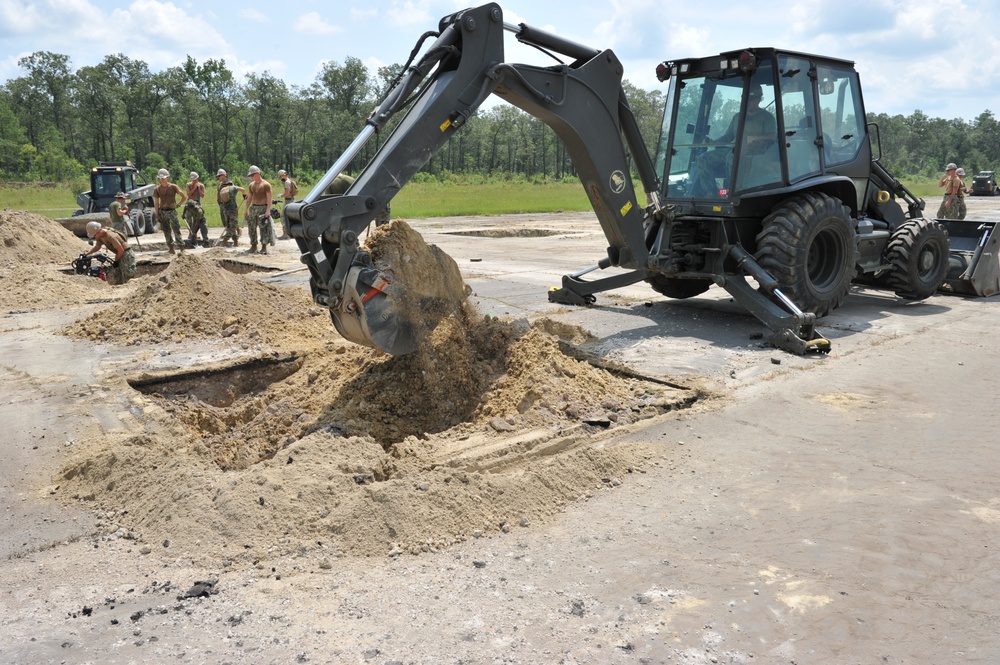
26,18
412,16
254,15
357,14
314,24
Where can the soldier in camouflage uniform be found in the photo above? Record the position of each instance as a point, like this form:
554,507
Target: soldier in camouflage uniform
123,269
228,209
165,203
951,183
194,214
962,210
258,212
117,212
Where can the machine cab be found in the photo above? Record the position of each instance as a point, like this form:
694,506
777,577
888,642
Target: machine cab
746,123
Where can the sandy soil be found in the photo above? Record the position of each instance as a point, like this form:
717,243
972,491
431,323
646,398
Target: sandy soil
491,499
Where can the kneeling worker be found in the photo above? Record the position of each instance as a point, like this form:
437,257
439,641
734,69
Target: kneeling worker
123,269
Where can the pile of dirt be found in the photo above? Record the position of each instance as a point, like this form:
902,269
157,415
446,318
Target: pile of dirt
349,450
196,298
328,445
35,239
32,250
493,375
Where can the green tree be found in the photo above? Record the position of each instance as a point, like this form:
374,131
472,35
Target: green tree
12,138
221,98
263,123
48,83
96,94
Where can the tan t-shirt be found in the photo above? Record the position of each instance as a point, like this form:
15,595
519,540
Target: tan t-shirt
166,195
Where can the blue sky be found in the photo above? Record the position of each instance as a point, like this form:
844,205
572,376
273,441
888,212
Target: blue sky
939,56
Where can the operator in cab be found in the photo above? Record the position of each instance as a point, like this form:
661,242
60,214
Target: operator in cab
760,128
760,131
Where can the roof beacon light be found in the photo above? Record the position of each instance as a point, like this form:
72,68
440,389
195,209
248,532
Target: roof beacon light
748,62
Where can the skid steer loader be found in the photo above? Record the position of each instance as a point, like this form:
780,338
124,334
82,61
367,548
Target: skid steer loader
765,169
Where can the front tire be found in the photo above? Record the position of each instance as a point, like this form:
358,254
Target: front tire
150,220
918,252
809,245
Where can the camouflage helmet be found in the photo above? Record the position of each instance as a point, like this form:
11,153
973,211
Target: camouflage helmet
951,166
93,228
960,172
253,169
120,195
220,173
163,173
282,172
193,176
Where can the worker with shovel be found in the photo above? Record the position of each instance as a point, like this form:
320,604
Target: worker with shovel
194,214
229,209
118,213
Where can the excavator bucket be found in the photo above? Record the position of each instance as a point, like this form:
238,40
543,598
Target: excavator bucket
974,264
398,290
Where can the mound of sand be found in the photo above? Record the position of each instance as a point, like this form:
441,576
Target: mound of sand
337,447
196,298
33,248
35,239
490,426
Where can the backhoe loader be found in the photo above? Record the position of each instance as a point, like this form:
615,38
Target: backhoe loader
765,169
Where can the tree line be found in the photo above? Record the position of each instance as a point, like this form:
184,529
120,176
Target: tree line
56,122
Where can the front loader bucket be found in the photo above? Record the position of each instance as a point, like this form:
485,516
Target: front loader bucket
974,263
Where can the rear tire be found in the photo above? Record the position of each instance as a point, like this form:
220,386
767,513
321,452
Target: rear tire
674,287
809,245
918,251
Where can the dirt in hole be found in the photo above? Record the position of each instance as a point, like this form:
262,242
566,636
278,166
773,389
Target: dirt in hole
218,386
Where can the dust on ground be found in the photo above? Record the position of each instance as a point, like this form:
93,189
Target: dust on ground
302,441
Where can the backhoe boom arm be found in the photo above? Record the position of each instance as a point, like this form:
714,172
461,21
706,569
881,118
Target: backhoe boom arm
583,102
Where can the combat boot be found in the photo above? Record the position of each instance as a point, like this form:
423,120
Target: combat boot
253,248
264,250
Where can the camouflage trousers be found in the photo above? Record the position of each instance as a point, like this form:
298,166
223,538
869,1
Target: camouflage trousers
962,210
257,222
946,211
120,226
231,224
194,215
123,270
171,228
